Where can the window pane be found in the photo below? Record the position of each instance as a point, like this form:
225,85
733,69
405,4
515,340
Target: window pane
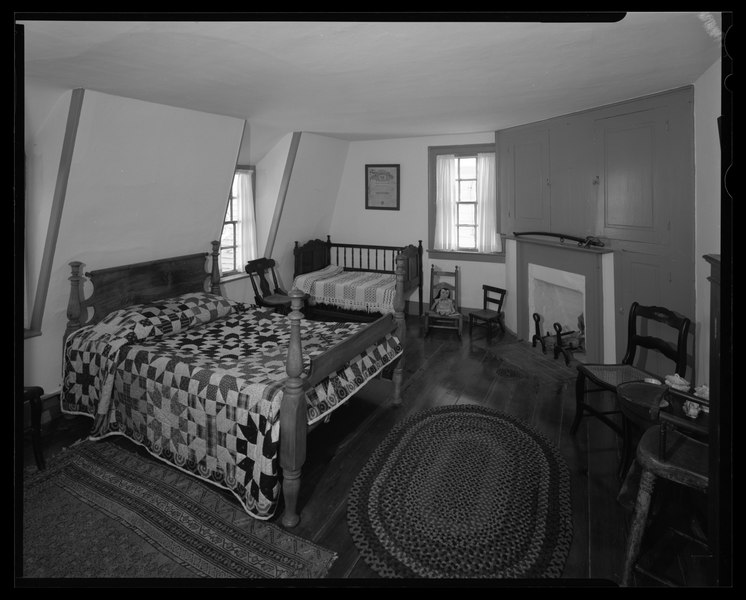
229,235
467,238
467,214
468,191
468,168
227,260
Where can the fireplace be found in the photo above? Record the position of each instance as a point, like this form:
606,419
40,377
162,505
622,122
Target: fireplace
563,283
556,303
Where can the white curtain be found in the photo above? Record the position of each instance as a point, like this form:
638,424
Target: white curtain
247,243
445,202
488,239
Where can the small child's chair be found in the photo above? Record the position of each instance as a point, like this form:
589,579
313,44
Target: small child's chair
491,316
439,280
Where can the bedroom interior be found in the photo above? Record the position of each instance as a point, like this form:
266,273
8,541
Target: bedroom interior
609,154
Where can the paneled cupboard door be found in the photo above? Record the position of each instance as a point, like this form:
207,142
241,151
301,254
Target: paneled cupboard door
634,202
524,179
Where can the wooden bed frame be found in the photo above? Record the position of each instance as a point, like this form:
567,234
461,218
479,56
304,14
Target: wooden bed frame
118,287
317,254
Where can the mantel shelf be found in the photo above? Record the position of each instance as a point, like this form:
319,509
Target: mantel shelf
567,245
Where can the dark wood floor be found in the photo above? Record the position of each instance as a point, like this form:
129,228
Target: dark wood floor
442,370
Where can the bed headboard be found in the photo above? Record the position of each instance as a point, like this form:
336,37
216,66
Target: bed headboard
118,287
312,256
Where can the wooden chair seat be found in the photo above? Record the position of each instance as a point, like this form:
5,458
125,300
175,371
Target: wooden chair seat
276,300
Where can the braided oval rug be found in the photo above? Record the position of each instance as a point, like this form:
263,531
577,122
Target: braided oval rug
463,492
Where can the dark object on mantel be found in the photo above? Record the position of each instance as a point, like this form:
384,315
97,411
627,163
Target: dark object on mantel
585,242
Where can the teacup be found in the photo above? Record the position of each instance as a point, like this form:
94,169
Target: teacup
691,409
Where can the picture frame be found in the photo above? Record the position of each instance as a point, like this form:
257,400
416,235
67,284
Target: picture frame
382,187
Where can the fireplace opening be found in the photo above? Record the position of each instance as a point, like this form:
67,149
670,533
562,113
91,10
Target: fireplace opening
557,310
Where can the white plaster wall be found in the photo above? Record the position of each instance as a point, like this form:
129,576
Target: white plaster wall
707,107
45,112
269,171
147,181
311,198
352,223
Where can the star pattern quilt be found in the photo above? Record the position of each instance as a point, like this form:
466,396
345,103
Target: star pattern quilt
351,290
198,380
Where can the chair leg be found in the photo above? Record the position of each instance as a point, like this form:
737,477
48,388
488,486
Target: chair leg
471,324
628,447
35,405
579,402
637,530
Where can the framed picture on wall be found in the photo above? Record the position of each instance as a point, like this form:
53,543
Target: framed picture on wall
382,187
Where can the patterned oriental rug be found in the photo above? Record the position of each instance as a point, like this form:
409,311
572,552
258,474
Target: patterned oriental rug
101,511
463,492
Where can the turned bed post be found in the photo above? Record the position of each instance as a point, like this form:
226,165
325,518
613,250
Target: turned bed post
215,270
401,324
293,416
74,304
419,272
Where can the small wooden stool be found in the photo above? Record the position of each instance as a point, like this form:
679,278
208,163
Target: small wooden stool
33,394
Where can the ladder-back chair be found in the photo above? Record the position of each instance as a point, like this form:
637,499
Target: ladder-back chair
606,377
491,316
445,302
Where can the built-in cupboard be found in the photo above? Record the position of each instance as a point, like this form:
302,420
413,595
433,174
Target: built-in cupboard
623,173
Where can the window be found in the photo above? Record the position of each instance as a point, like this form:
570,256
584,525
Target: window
466,202
238,240
463,200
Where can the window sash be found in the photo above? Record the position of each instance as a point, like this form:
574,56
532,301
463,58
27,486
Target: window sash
470,224
238,234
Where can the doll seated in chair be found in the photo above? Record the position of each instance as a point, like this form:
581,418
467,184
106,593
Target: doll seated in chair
444,304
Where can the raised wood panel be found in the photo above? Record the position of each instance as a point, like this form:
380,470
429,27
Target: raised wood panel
629,177
634,201
525,185
569,183
572,176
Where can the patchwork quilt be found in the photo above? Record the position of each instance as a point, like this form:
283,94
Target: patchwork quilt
198,380
356,290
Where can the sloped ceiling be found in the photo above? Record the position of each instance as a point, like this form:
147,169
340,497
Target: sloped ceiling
367,80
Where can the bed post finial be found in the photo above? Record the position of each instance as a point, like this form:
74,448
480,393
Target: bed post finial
293,417
215,270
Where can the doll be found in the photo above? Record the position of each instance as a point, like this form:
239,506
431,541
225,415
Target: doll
444,304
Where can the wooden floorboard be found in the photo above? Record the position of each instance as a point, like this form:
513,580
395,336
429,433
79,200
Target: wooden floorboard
505,374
